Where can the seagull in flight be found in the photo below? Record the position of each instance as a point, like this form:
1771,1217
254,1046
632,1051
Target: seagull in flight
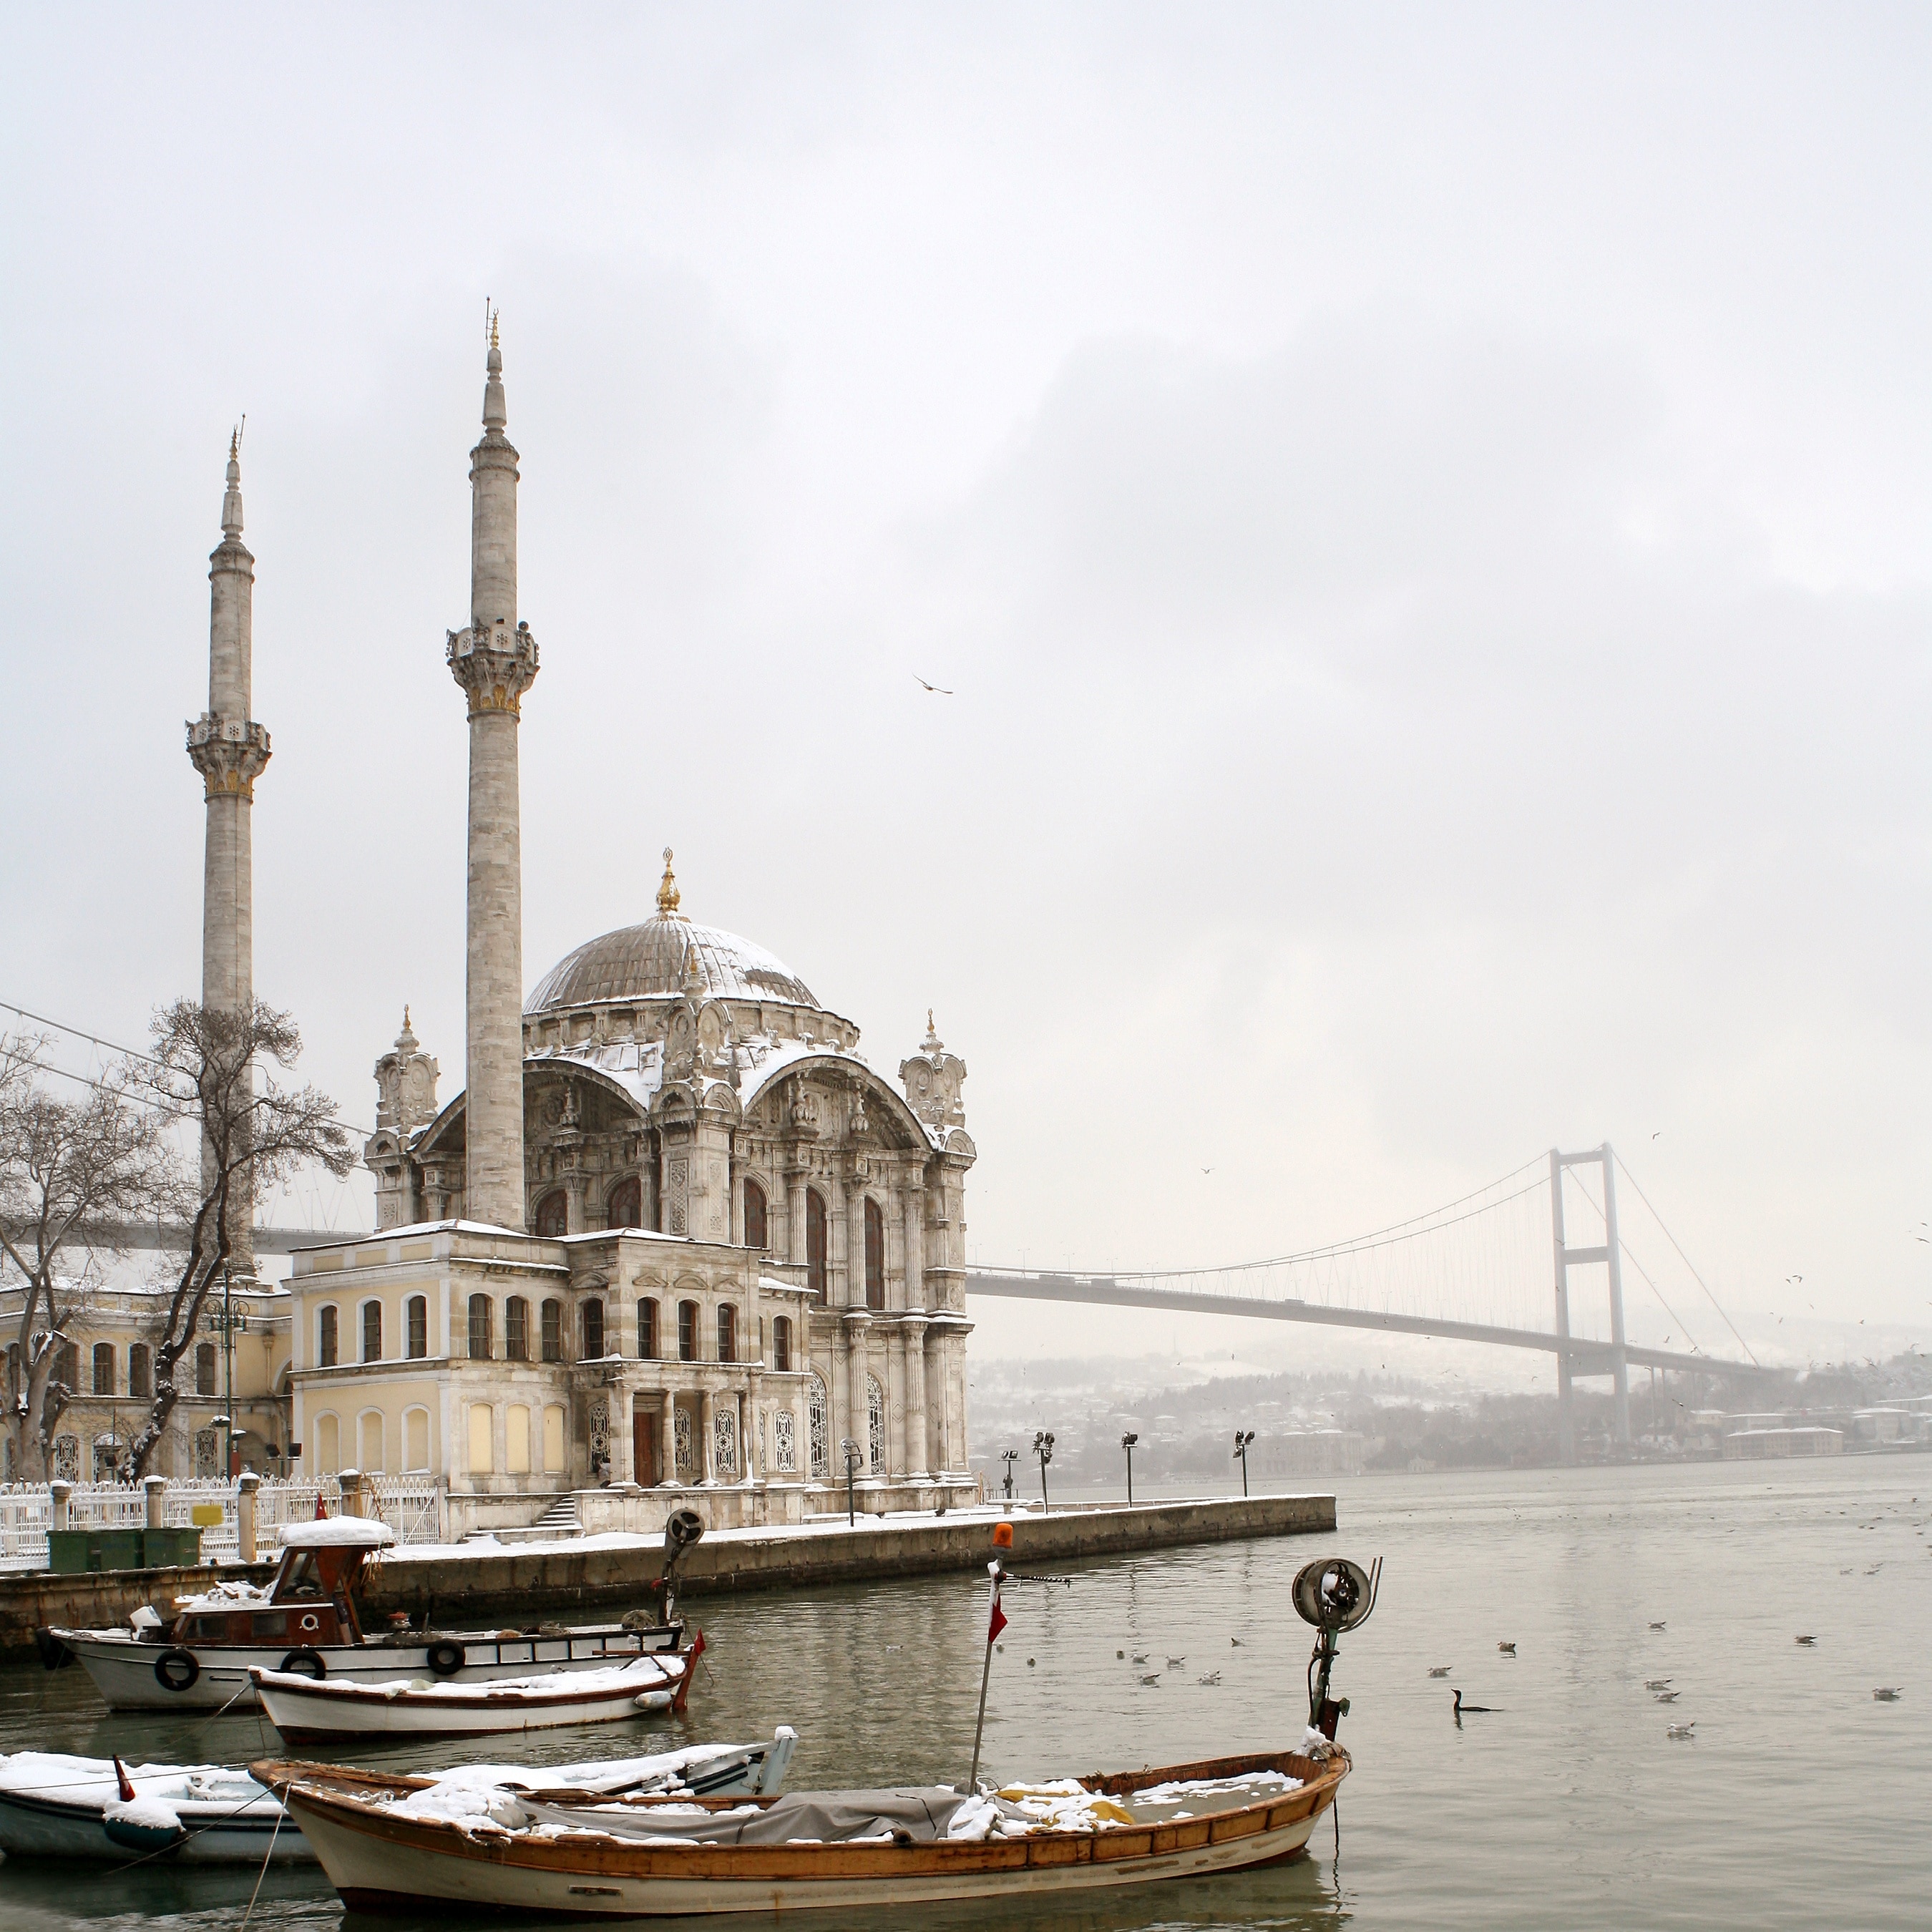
937,690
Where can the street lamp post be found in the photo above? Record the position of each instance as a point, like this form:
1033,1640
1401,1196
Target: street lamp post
1127,1442
227,1322
1242,1439
1010,1457
1042,1448
849,1450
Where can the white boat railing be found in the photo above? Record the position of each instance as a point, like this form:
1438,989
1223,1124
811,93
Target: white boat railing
413,1506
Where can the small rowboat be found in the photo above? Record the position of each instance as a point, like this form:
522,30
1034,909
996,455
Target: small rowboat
55,1807
388,1846
307,1710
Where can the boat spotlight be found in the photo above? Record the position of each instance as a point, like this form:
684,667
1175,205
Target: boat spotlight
1334,1595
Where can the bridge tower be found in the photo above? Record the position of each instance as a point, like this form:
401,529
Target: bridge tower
1611,1254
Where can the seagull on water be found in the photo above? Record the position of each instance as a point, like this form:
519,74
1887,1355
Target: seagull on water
1889,1694
1213,1677
1441,1670
1680,1730
1667,1696
1152,1677
1507,1649
1175,1663
1657,1626
1657,1683
1806,1640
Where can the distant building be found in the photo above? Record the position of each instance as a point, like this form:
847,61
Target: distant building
1308,1452
1768,1444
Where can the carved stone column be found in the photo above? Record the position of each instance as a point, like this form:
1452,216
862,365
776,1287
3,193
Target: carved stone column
707,1446
857,1322
918,1453
914,1218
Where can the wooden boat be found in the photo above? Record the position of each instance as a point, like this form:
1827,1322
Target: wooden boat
55,1807
308,1711
307,1621
387,1847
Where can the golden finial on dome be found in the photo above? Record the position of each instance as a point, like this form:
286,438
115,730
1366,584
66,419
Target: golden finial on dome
667,892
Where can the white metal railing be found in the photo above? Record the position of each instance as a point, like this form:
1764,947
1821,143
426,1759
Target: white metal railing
413,1506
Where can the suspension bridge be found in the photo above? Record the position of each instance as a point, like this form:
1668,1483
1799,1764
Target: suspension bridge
1495,1266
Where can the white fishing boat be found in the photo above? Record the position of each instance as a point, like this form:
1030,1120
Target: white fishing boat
56,1807
395,1844
308,1711
307,1621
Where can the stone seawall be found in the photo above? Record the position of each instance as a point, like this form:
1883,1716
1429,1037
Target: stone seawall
510,1585
559,1578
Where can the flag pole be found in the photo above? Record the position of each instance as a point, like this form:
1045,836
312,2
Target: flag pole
994,1623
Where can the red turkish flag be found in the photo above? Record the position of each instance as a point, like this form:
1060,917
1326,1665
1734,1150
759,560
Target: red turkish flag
999,1622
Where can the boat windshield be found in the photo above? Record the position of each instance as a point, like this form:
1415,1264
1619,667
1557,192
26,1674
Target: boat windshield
300,1576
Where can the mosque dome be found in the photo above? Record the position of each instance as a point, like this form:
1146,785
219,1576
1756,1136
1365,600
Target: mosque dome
652,962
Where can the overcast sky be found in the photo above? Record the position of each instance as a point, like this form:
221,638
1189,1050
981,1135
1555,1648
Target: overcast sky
1423,513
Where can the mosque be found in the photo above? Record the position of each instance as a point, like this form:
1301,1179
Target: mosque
675,1243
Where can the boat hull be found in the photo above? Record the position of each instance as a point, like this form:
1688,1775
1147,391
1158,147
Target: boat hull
389,1865
35,1827
324,1713
123,1668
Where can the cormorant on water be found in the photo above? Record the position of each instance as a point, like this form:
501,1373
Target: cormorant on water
1463,1709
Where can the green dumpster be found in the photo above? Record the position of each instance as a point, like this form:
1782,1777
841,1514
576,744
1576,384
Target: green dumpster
170,1549
114,1550
68,1552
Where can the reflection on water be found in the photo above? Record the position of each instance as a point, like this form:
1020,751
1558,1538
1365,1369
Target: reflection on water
1799,1803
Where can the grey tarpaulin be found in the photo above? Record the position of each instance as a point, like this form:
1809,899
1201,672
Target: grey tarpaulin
919,1812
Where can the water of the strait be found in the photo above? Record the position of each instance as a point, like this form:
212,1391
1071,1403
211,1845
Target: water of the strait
1800,1801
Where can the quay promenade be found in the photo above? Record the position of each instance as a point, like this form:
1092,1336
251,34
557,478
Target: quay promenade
464,1583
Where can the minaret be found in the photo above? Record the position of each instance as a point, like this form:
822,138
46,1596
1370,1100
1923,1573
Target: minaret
229,749
494,659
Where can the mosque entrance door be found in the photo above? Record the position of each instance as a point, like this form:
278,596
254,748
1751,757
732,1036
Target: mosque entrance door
647,1468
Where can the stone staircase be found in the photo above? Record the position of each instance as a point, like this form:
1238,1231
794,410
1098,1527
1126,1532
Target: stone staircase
558,1524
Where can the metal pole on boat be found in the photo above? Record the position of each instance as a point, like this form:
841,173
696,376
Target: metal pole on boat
995,1623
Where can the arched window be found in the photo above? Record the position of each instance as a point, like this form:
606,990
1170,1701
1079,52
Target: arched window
593,1328
553,1215
687,1331
875,1255
328,1445
727,1332
647,1329
482,1343
875,1424
815,1414
754,1216
516,1329
815,1242
781,1345
140,1371
372,1440
482,1458
325,1337
417,1312
104,1368
205,1383
372,1331
415,1440
553,1331
625,1208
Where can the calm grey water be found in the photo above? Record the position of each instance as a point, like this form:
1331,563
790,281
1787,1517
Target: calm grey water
1801,1802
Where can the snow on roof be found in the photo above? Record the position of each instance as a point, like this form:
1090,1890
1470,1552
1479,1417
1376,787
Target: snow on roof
338,1532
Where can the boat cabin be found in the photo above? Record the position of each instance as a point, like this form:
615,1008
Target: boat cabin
311,1601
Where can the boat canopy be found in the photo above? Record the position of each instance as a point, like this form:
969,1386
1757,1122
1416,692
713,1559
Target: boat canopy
338,1532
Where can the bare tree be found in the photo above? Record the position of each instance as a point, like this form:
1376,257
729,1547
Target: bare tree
253,1133
70,1171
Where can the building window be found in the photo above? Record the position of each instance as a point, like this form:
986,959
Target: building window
785,1441
517,1440
593,1329
687,1331
875,1255
372,1441
727,1332
553,1214
67,1372
552,1440
724,1440
553,1331
417,1312
754,1216
204,1369
372,1331
516,1329
482,1343
325,1335
647,1330
821,1445
104,1368
140,1373
815,1242
626,1207
875,1424
781,1344
415,1440
328,1445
